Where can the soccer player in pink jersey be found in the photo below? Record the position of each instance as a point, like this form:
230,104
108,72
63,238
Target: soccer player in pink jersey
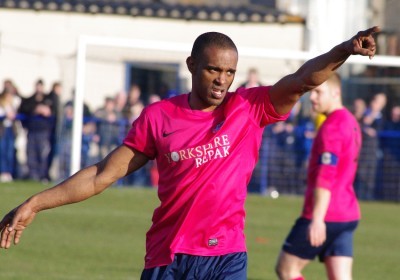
206,145
331,211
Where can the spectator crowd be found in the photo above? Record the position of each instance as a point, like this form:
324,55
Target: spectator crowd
36,133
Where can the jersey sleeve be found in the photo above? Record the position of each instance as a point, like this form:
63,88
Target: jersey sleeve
261,108
141,137
328,155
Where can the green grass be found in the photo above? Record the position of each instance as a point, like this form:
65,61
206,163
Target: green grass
103,237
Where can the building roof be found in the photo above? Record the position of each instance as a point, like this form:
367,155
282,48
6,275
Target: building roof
247,13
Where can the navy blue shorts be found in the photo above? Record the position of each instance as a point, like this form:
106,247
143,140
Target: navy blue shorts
339,240
228,267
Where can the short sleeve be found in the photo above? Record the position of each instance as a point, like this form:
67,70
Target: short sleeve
328,152
261,108
141,136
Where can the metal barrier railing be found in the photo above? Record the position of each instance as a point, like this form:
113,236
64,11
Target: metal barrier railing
282,165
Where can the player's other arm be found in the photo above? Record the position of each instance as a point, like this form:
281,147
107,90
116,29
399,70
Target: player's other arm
287,91
317,228
82,185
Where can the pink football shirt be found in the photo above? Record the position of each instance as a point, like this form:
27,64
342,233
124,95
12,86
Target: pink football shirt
205,161
333,165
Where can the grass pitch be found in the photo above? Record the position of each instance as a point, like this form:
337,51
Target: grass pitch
104,237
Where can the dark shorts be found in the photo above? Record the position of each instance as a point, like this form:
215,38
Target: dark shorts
228,267
339,240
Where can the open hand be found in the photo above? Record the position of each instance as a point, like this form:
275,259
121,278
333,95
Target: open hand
13,224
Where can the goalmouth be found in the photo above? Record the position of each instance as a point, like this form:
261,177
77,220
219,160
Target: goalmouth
85,41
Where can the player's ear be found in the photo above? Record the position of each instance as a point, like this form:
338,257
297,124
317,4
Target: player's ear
337,92
190,64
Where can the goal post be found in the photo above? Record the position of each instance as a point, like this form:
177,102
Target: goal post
84,41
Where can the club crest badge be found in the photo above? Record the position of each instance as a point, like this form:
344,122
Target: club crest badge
218,127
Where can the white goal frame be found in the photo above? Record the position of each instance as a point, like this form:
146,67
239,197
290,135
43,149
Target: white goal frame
84,41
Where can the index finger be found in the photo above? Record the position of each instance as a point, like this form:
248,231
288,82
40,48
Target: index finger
4,222
8,231
4,236
370,31
7,238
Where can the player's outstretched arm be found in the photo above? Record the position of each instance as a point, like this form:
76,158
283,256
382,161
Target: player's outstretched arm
287,91
82,185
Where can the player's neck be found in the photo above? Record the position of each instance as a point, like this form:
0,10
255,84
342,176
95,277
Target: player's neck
334,108
196,104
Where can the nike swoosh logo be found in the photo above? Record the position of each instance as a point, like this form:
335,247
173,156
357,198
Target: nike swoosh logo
166,134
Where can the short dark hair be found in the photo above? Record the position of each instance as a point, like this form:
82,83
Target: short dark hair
208,39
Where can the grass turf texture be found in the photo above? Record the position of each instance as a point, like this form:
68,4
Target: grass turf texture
103,237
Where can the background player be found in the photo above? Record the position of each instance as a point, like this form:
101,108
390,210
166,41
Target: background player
331,211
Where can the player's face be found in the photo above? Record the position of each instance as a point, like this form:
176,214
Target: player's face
321,98
212,75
